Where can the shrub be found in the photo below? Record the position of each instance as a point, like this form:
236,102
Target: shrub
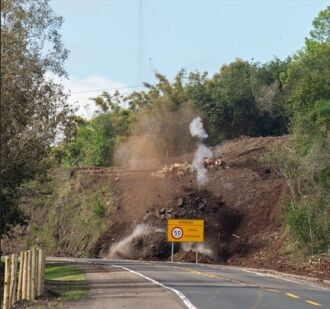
98,208
307,170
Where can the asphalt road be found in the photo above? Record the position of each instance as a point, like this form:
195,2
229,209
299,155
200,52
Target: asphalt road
223,287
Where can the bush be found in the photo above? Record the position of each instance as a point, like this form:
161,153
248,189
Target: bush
91,146
99,208
307,169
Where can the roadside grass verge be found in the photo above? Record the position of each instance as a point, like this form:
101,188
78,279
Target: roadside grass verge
66,280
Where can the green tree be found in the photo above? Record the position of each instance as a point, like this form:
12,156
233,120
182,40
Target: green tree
272,117
307,79
321,28
92,142
242,99
307,168
33,106
226,99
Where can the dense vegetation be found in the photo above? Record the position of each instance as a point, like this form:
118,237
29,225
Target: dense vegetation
68,214
243,98
307,167
33,106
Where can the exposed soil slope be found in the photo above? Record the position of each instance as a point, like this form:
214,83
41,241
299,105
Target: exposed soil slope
241,206
240,203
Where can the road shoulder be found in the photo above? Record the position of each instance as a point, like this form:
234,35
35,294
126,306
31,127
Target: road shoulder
111,287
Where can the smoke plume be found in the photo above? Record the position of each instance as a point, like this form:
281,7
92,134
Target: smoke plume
202,152
197,129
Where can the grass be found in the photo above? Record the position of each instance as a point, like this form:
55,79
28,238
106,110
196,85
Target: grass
74,216
68,280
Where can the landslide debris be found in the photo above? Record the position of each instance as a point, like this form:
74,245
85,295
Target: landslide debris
240,203
150,243
242,186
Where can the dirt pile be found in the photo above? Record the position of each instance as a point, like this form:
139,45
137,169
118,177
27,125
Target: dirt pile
150,243
244,184
190,256
241,206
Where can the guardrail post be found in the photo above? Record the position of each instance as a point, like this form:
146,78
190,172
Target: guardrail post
25,275
33,273
43,264
20,276
13,278
6,290
40,277
28,283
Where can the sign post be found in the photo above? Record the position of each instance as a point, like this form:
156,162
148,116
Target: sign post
172,251
183,230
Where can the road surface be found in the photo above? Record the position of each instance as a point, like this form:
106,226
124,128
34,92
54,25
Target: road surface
222,287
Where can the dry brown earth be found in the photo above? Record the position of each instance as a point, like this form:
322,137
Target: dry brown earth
241,206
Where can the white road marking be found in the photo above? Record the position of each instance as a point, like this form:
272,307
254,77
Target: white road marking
218,267
184,299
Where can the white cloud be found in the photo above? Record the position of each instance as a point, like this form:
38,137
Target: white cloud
81,90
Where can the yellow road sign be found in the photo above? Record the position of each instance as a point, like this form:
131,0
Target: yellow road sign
181,230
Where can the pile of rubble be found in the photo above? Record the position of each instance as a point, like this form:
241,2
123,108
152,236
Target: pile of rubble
190,256
214,163
179,169
220,220
195,204
182,169
220,223
320,261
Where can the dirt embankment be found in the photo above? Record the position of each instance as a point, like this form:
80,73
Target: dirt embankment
241,206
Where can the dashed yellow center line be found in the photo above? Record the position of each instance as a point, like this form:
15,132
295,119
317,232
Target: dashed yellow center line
311,302
195,272
273,290
212,276
292,295
203,274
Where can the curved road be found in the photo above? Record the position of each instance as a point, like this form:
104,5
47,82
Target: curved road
217,286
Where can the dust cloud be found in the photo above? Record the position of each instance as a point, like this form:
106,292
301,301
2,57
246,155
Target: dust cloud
123,247
197,247
160,136
157,135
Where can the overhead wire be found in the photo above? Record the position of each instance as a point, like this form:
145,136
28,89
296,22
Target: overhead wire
104,89
72,94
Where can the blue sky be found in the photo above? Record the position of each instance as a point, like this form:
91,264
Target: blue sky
117,44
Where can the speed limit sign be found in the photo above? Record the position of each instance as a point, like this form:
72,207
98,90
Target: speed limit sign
185,230
177,232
